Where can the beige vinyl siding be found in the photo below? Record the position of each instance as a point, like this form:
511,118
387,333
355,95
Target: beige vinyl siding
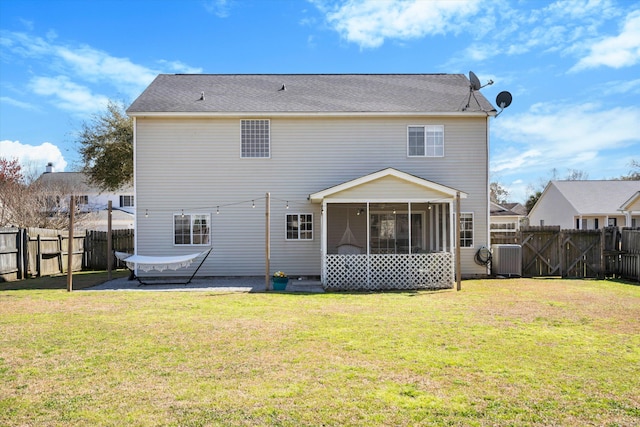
194,164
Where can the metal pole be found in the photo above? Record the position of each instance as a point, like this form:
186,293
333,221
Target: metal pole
72,207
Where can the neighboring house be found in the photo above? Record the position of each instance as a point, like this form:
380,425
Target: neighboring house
90,200
588,205
362,173
505,220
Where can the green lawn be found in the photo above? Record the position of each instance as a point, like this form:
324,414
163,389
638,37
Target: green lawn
518,352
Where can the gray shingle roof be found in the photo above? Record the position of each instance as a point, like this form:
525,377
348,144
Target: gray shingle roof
597,197
309,93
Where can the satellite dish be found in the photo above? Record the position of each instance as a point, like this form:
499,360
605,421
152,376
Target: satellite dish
475,81
503,100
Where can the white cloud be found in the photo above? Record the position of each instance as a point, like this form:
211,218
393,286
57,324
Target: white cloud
19,104
69,95
95,65
368,23
82,71
33,158
179,67
567,136
620,87
618,51
220,8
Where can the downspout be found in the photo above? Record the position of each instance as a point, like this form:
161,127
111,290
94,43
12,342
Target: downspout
488,213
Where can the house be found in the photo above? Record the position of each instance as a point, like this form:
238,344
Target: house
91,201
588,205
505,221
352,178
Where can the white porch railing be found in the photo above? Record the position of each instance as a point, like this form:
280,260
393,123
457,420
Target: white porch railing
399,271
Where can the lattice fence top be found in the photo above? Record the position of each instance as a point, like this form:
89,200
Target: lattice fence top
389,272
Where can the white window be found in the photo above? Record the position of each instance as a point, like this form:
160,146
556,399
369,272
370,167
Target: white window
126,201
254,138
466,230
299,227
425,141
191,229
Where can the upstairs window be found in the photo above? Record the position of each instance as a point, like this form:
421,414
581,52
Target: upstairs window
191,229
254,139
425,141
126,201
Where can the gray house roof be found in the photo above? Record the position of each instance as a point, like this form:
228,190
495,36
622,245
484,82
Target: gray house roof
73,181
508,209
309,93
597,197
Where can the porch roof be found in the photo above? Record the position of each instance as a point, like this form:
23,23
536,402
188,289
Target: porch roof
442,191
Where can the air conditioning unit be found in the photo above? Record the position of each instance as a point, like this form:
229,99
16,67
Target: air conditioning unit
506,260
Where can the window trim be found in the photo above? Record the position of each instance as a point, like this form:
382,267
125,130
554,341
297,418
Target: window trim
268,156
191,220
124,197
473,230
286,227
426,146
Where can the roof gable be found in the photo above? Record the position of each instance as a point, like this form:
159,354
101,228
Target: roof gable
633,204
596,197
430,188
309,93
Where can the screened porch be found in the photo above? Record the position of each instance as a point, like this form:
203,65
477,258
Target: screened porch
387,230
376,246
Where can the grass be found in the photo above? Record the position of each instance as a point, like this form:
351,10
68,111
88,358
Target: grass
518,352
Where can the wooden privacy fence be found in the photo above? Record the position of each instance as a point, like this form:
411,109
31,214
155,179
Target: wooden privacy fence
629,256
12,253
550,251
36,252
95,257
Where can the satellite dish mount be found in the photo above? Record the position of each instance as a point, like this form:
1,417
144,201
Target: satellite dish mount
474,86
503,100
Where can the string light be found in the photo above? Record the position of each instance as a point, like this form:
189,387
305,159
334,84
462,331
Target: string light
288,205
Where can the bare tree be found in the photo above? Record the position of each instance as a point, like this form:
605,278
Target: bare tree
36,205
497,193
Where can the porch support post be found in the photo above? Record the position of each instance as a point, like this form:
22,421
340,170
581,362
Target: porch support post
267,240
323,242
457,243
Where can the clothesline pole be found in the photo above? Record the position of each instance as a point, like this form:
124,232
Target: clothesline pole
267,240
72,208
109,240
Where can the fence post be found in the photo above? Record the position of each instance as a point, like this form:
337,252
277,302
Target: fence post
38,257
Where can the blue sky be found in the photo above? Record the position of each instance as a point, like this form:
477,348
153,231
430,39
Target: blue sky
573,67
